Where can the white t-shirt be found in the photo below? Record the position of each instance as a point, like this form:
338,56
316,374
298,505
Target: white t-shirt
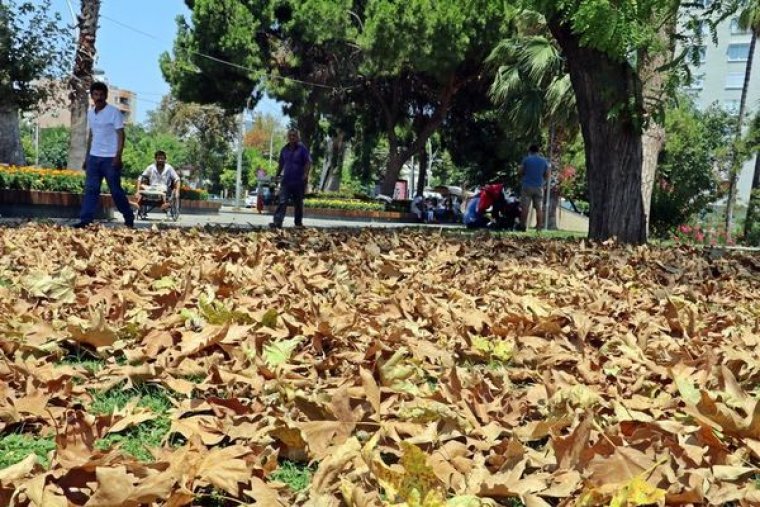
103,126
164,178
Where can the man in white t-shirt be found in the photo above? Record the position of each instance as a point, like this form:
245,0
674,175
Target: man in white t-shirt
159,175
105,143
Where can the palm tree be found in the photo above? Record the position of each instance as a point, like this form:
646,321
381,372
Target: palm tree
81,79
532,89
749,19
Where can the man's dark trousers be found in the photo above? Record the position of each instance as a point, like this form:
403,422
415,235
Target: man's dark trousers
294,192
97,169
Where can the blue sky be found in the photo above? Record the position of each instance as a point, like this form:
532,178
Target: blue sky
130,59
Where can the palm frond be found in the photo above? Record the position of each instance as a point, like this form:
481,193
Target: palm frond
540,59
560,101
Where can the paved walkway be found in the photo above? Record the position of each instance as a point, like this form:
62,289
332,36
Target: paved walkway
244,219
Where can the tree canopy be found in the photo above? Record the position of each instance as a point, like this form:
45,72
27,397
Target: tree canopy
396,65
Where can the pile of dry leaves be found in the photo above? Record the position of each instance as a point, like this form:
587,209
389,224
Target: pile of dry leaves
403,368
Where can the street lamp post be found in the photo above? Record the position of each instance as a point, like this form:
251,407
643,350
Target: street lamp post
37,142
239,175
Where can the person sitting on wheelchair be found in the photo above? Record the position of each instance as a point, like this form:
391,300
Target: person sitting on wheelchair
159,174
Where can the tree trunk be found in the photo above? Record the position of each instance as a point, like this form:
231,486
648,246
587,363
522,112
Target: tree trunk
326,163
736,162
422,178
604,89
652,142
81,80
337,156
654,90
554,194
392,169
425,127
753,211
11,151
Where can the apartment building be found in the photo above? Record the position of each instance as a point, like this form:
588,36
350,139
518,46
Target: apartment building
56,112
720,77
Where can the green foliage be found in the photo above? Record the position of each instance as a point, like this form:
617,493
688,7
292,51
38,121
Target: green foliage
51,180
192,194
33,52
296,475
532,86
205,133
142,144
54,145
16,447
370,83
686,182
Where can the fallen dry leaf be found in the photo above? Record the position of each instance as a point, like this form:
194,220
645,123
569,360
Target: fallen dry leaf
181,367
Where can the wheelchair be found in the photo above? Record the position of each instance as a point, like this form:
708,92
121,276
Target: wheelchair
152,198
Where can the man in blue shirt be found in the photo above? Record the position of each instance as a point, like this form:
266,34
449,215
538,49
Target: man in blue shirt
534,170
294,166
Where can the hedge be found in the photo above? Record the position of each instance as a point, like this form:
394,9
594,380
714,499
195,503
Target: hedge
346,204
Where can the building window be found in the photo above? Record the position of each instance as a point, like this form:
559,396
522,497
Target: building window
697,82
738,52
731,106
735,30
734,80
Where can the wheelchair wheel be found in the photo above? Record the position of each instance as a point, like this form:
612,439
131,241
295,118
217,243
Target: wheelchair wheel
174,209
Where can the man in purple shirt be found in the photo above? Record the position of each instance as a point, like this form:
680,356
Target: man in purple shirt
294,166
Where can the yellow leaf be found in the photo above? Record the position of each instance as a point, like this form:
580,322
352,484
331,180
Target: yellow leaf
59,288
637,492
279,352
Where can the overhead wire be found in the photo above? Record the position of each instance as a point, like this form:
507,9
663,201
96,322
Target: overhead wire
222,61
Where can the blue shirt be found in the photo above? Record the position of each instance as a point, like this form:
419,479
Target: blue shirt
471,215
534,168
293,162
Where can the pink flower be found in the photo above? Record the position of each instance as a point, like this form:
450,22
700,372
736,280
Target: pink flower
699,237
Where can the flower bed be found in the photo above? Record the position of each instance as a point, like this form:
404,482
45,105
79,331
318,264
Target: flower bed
33,192
67,180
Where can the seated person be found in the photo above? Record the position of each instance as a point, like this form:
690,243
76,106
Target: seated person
472,218
490,196
418,207
159,174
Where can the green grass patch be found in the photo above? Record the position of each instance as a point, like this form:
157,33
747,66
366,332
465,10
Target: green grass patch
151,396
15,447
196,378
4,282
212,497
296,475
90,364
137,440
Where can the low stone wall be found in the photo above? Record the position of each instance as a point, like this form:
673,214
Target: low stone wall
41,204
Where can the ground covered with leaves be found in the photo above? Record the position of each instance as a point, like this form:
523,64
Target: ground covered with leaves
371,368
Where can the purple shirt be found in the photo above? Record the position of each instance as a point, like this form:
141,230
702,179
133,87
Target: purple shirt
293,162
